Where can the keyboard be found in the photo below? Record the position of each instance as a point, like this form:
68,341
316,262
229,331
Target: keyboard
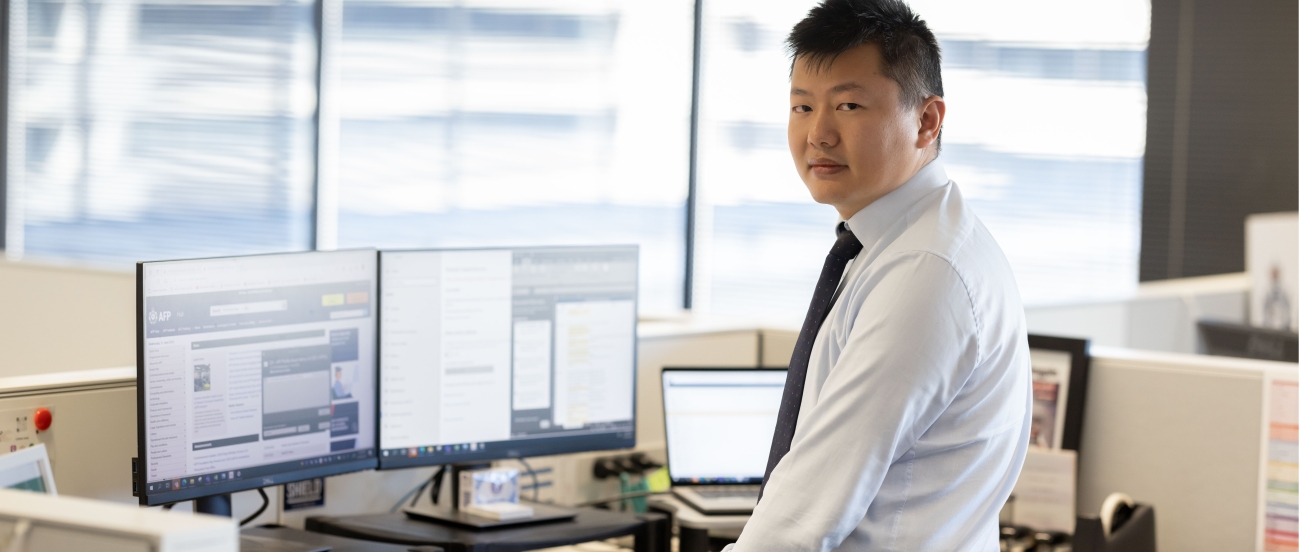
728,491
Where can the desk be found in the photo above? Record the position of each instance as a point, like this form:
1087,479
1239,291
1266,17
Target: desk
335,544
693,527
653,532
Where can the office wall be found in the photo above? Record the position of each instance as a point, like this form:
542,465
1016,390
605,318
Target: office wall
1161,316
58,318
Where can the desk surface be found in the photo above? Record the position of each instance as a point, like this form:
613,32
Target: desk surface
336,544
590,524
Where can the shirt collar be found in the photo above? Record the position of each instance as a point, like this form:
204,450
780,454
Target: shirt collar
871,222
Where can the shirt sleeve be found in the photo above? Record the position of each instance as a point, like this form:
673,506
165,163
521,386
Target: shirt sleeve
911,348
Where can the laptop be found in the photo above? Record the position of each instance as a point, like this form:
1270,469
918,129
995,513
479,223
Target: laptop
718,423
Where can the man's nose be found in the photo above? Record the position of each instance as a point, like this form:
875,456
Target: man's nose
823,133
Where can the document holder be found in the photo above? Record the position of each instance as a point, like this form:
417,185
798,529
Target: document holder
1138,534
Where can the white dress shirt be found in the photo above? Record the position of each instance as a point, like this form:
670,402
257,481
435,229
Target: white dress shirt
915,414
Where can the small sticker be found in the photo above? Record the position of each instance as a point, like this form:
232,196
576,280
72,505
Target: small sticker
304,494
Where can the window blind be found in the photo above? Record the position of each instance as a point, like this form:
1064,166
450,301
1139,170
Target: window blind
146,130
518,123
1044,136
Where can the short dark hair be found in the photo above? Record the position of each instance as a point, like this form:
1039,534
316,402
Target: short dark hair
908,50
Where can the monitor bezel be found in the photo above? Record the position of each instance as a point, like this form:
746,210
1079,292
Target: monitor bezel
547,445
687,482
167,497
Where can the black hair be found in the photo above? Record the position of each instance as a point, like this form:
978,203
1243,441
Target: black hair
908,50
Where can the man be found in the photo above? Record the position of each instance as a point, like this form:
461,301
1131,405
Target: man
905,416
340,392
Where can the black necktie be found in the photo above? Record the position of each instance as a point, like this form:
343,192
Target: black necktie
846,247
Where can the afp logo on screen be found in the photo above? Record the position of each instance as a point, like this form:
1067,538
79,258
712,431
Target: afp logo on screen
155,316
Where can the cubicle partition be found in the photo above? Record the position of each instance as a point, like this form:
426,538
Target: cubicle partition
91,433
1190,435
1203,439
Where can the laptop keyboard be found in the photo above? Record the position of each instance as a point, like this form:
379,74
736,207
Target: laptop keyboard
728,491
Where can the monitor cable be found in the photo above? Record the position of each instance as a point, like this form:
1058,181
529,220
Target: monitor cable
266,501
414,494
435,486
531,474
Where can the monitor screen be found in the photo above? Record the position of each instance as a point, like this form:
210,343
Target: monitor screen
719,423
27,469
500,353
254,371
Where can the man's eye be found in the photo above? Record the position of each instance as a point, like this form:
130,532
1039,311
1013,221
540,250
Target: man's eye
801,109
849,106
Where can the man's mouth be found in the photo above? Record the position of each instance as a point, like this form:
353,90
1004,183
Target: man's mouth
826,167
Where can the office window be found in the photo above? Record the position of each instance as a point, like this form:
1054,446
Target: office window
146,130
1044,135
518,123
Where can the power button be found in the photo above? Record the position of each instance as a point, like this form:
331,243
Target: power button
43,419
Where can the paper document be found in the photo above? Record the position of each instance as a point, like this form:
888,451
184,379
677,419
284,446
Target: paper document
1281,508
1044,494
1051,371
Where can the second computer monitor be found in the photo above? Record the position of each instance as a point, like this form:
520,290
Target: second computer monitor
500,353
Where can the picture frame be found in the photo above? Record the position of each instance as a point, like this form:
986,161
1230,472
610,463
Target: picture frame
1060,374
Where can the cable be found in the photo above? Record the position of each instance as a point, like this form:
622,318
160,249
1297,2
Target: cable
435,488
266,501
416,491
416,499
408,494
414,494
532,474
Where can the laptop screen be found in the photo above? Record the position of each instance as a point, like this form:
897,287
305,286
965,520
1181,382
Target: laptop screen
719,423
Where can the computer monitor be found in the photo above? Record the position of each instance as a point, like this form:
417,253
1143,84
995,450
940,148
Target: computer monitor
501,353
254,371
28,469
718,423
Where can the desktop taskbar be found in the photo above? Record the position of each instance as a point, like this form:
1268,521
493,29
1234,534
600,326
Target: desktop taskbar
404,457
227,481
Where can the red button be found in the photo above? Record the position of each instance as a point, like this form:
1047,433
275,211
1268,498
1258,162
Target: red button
43,419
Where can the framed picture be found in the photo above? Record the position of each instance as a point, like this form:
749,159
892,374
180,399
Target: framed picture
1060,380
1271,261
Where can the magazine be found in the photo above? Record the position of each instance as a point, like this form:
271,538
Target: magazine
1051,373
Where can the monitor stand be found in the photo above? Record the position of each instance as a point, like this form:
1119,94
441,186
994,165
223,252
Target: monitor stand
219,505
450,512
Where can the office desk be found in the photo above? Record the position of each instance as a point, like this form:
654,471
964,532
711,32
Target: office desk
693,527
334,544
652,532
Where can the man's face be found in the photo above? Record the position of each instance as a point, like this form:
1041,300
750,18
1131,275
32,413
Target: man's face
851,137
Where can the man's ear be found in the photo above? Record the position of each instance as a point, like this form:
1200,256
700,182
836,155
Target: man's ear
931,112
